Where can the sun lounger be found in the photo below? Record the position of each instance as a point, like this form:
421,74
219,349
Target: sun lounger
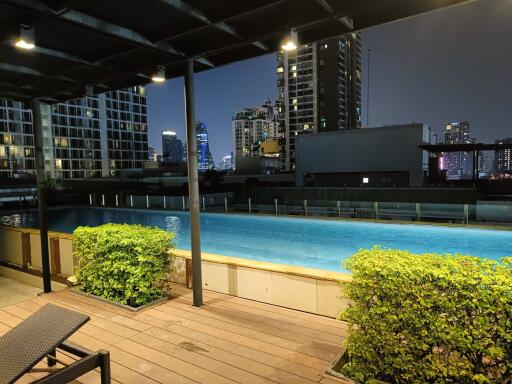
38,337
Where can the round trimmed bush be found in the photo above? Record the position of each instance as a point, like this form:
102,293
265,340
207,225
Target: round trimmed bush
128,264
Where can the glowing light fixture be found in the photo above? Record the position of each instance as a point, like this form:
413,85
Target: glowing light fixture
291,42
159,75
26,39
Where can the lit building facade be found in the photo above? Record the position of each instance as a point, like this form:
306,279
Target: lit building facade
204,156
458,164
319,90
172,147
16,139
252,126
88,137
503,157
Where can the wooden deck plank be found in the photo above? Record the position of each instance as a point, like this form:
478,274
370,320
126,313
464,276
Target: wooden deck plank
308,350
228,302
309,317
229,340
266,324
229,357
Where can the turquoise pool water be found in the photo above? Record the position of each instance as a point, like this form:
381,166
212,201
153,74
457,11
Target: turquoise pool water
313,243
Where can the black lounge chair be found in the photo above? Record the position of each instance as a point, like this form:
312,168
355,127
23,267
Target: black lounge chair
38,337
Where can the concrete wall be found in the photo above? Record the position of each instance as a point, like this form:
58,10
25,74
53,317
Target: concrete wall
305,289
383,149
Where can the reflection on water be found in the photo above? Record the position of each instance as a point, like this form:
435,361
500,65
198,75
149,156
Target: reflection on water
12,220
173,224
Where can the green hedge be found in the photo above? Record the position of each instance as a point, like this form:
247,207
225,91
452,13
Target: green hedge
124,263
428,318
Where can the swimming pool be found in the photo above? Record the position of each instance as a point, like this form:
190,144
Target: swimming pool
313,243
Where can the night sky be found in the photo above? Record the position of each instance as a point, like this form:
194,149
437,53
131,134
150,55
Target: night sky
452,64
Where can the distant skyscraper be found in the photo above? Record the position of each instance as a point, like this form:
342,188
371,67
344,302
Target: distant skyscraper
204,156
319,89
89,137
227,163
172,147
152,154
251,126
503,157
458,164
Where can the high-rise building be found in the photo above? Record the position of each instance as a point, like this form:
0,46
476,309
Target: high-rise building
16,139
204,156
503,157
252,126
319,90
172,147
458,164
88,137
226,163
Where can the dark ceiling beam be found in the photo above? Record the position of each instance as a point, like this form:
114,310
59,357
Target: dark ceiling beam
101,26
201,16
325,5
32,72
117,31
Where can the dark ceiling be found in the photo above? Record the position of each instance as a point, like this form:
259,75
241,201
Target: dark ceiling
112,44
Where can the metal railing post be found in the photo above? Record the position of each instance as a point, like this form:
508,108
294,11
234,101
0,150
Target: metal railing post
276,206
226,204
165,205
466,214
184,206
418,212
305,207
117,200
131,201
102,199
376,209
250,205
90,199
204,204
147,201
338,207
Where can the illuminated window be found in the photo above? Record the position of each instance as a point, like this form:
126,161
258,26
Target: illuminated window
294,74
280,69
58,163
366,180
295,108
306,126
294,101
294,67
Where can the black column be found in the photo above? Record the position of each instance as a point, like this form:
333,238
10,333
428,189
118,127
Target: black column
193,184
41,193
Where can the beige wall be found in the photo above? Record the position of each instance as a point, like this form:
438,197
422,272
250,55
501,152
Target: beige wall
299,288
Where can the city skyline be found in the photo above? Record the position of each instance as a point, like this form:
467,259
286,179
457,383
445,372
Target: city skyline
426,86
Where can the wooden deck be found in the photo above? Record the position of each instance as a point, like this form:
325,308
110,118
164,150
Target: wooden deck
229,340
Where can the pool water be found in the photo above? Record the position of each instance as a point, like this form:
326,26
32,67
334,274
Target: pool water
313,243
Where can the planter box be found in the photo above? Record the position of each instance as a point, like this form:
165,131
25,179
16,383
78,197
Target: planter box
338,363
76,291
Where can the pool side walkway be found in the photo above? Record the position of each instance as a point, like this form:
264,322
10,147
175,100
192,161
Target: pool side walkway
229,340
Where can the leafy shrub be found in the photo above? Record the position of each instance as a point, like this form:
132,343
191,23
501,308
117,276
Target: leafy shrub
124,263
428,318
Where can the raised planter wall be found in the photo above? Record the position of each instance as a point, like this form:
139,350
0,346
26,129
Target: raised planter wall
305,289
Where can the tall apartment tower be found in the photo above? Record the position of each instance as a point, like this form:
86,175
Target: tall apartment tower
458,164
252,126
172,147
88,137
319,90
503,157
